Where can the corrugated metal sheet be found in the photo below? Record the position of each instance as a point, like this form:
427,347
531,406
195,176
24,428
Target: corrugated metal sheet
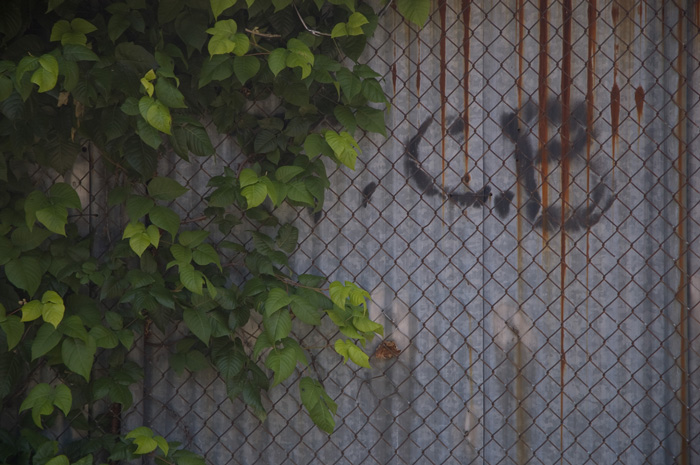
529,236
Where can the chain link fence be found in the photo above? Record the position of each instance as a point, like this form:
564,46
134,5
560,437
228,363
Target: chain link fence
529,236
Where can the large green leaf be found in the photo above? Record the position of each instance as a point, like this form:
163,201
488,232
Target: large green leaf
166,219
78,355
278,324
46,338
25,273
319,404
282,363
199,323
165,189
14,330
245,67
54,218
276,299
416,11
192,279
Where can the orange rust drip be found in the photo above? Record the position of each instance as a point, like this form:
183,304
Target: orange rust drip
466,20
542,124
614,121
639,101
590,108
565,146
681,294
393,77
521,49
443,90
697,13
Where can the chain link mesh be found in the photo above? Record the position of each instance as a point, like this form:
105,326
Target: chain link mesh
529,236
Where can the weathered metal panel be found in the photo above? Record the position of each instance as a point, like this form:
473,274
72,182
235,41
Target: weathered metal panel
529,233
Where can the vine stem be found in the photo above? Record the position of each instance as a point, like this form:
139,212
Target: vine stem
303,23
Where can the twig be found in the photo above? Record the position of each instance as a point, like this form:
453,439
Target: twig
285,280
194,220
312,31
262,34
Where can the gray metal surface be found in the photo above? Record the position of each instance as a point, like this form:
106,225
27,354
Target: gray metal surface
545,306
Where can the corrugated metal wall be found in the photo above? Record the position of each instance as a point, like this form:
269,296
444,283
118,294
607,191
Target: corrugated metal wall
529,235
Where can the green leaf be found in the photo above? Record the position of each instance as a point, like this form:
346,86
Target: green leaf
350,351
247,177
319,404
63,194
165,189
104,337
63,399
229,362
158,116
47,74
137,207
314,144
54,218
46,339
6,87
339,30
82,26
345,117
286,173
282,363
349,83
153,235
169,94
306,311
276,299
58,460
199,323
166,219
31,310
148,133
78,52
278,325
205,254
416,11
193,238
299,193
355,23
339,293
245,67
372,91
371,119
139,242
218,68
220,45
254,194
287,238
192,279
218,6
145,445
242,44
277,60
78,356
182,255
25,273
14,330
53,308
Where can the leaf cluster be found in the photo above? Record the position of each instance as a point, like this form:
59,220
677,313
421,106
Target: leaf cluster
132,83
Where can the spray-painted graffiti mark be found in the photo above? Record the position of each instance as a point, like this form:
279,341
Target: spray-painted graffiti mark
582,211
367,193
588,194
427,185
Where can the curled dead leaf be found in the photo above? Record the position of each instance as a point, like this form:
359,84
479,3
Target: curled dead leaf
387,350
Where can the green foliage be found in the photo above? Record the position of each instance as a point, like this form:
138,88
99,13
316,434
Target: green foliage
132,82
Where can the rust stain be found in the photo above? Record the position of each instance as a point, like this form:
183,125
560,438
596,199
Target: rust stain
466,20
681,294
542,123
639,101
590,108
565,146
614,122
443,90
697,13
393,76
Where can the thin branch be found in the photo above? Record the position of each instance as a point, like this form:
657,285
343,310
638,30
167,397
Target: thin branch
255,32
194,220
312,31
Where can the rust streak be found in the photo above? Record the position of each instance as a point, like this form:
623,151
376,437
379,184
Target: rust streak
681,295
614,122
590,107
565,146
639,101
466,20
393,76
443,90
542,123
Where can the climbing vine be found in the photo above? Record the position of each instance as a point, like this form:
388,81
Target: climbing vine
133,82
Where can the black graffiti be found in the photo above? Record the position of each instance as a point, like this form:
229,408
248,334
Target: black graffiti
427,185
520,127
367,193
